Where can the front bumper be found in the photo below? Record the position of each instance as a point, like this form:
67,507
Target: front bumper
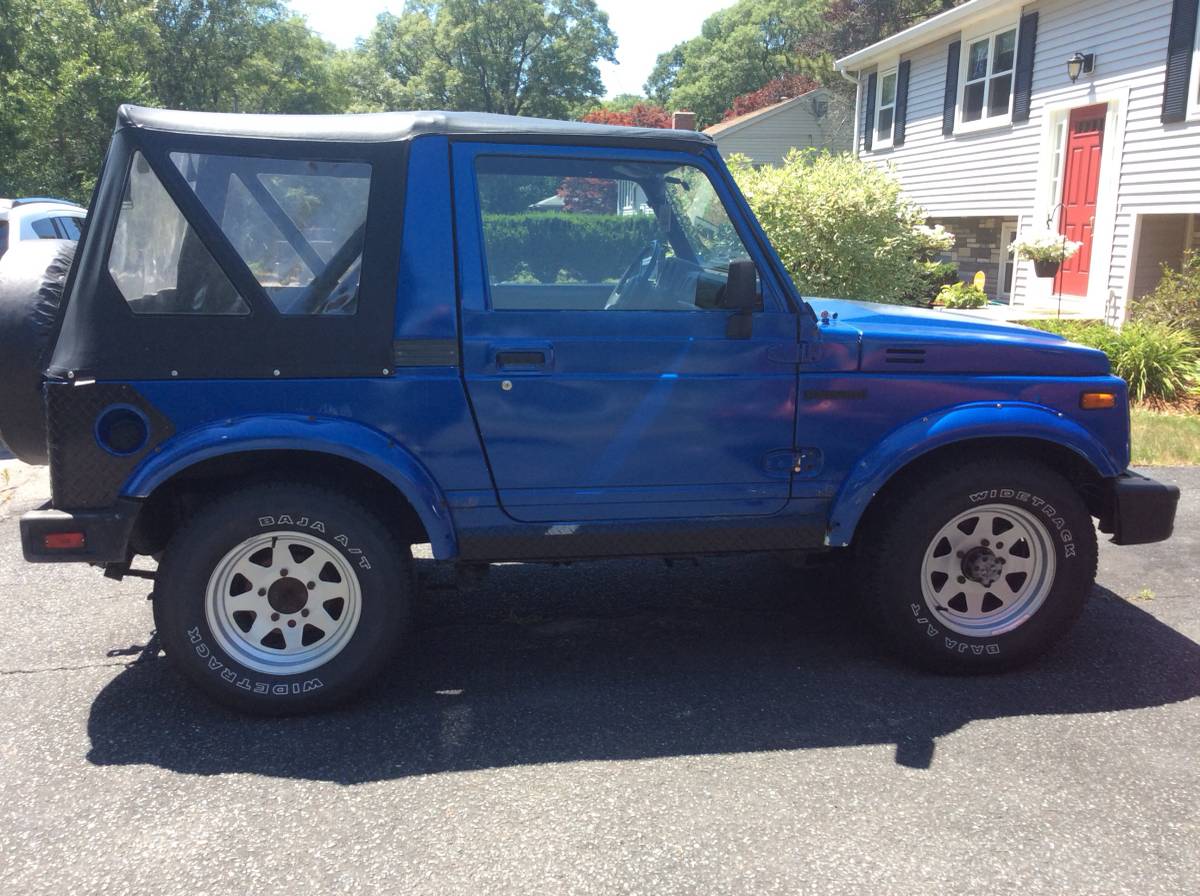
105,533
1139,510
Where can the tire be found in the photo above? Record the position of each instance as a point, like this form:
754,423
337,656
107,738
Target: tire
33,274
235,578
942,576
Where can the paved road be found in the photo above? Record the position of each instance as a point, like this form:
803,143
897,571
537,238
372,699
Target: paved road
619,728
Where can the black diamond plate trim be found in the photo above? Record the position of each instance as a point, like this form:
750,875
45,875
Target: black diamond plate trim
82,474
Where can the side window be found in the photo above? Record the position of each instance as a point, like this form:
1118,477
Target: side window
44,228
298,224
157,260
885,109
603,236
68,227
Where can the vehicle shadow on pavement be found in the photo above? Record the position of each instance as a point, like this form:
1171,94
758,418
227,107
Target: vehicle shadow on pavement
629,659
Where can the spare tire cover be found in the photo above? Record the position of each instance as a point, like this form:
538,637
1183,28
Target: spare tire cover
32,275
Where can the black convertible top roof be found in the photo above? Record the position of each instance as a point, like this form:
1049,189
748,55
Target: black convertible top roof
384,127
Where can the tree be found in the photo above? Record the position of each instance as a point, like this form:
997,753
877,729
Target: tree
744,48
785,87
639,115
240,55
66,66
520,57
738,50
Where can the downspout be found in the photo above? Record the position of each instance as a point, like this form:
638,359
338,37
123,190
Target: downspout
854,79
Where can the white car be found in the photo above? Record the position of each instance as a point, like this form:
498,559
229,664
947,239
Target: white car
38,218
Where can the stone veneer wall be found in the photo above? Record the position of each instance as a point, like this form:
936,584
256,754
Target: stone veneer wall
976,248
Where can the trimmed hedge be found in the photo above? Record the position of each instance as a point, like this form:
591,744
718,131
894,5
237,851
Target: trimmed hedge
557,246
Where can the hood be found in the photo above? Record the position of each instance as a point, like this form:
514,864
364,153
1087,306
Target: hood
895,338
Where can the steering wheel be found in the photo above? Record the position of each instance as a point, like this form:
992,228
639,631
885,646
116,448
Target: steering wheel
643,273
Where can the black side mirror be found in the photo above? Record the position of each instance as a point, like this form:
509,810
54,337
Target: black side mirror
741,297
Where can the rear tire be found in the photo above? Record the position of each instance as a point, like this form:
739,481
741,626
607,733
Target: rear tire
977,569
282,598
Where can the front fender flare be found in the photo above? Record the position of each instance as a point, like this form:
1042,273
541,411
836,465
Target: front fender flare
924,434
325,435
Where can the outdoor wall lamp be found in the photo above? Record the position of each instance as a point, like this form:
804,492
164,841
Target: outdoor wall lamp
1080,64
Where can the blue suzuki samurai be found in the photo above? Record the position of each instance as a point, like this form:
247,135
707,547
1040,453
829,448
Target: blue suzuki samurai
288,348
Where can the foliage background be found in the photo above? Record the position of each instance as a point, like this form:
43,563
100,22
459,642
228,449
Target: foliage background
841,227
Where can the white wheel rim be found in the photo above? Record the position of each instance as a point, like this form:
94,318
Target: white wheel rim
988,570
283,603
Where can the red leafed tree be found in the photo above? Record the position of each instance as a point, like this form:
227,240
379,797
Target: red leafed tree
594,195
785,87
641,115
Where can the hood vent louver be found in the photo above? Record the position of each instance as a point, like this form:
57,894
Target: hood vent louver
904,356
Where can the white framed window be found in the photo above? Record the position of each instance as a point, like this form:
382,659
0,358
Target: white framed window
988,64
1057,165
885,109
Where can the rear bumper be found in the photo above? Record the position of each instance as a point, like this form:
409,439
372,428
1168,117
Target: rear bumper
1140,510
105,533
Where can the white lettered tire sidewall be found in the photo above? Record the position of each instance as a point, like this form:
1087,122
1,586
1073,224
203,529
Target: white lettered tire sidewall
913,518
381,566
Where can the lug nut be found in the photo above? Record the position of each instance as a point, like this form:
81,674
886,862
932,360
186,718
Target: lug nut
962,580
274,617
304,613
984,542
262,592
283,572
960,553
999,545
291,623
312,585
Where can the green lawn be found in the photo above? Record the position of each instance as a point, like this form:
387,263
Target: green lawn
1165,439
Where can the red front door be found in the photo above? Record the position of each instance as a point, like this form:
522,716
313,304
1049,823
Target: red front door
1081,183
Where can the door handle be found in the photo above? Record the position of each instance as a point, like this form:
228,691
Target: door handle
522,358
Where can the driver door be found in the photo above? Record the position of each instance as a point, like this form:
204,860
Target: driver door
595,349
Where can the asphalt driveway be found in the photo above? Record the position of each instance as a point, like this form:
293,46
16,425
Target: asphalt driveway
622,727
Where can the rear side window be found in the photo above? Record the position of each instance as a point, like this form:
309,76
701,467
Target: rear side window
157,260
44,228
69,227
298,224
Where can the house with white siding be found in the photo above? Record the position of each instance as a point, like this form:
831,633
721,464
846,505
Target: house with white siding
1081,116
818,119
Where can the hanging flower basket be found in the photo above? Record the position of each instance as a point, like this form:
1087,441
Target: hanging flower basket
1046,249
1046,268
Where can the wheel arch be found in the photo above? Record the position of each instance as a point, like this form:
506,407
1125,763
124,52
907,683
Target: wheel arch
354,458
1027,432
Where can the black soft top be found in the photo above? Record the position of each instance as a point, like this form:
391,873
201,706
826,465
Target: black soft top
385,127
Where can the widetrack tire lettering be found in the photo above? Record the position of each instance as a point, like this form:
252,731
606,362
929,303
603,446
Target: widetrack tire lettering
1056,522
233,677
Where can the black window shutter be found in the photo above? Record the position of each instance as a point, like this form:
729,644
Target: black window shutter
1023,77
1179,60
901,103
869,124
950,101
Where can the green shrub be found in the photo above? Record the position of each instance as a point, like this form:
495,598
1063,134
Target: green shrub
962,295
1159,362
1176,299
583,246
931,277
842,227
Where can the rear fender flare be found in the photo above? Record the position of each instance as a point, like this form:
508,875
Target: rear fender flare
327,435
993,420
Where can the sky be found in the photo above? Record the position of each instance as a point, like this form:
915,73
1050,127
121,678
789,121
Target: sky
644,29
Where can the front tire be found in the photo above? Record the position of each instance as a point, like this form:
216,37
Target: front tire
282,598
977,569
